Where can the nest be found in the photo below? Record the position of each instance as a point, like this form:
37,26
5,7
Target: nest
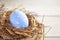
7,32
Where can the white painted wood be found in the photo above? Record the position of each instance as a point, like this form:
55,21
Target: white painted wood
52,39
53,22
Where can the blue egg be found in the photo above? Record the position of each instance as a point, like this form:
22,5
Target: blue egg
19,19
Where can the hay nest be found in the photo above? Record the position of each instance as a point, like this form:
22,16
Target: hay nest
7,32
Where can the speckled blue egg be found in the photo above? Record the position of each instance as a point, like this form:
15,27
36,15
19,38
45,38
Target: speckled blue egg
18,19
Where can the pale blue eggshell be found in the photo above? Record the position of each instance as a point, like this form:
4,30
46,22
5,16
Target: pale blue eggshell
19,19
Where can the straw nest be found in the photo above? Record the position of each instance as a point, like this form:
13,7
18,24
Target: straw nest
7,32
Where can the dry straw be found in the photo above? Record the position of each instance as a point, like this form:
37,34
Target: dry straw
7,32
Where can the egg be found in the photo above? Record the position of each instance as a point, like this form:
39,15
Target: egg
18,19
